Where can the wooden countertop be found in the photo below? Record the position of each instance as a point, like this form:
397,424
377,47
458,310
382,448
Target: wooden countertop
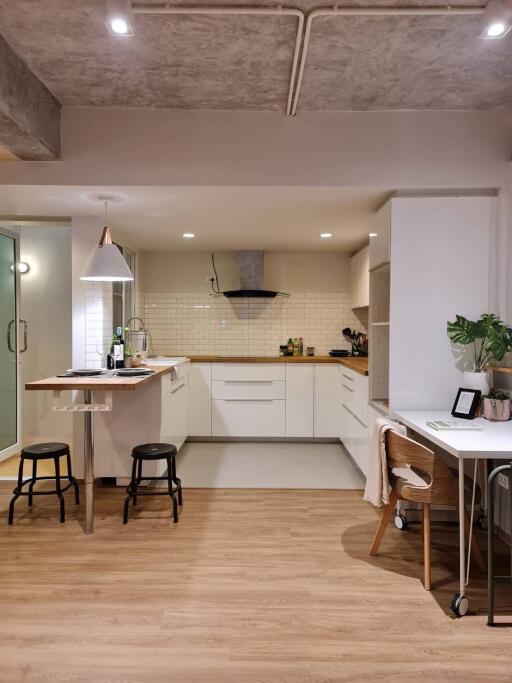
359,365
113,383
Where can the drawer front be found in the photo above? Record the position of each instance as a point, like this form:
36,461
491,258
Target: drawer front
248,417
249,371
354,393
248,388
355,438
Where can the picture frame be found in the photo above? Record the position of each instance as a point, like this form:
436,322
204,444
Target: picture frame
466,403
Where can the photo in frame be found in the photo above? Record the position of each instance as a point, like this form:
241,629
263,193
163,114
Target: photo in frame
466,403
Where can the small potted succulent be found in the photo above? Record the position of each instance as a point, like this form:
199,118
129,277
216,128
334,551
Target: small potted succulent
128,357
496,405
490,339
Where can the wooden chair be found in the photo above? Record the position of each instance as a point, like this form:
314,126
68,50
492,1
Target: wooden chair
420,477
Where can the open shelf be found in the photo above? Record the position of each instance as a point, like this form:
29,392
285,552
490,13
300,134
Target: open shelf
379,334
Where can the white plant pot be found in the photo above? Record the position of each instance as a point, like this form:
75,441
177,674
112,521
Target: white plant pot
477,380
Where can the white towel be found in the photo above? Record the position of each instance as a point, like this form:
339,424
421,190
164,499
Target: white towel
376,491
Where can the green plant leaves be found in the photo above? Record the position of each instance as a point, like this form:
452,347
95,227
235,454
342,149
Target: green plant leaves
491,338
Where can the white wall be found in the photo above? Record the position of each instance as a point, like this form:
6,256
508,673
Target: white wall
110,146
46,305
178,272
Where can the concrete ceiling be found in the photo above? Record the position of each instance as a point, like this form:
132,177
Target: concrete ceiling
222,218
243,62
438,62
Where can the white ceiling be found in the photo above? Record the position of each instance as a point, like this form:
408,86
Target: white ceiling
222,218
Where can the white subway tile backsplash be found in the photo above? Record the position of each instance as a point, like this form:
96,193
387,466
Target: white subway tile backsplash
198,324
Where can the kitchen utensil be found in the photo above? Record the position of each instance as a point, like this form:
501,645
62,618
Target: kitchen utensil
339,353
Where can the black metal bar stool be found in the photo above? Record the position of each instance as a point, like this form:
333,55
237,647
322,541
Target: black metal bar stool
44,451
154,451
491,578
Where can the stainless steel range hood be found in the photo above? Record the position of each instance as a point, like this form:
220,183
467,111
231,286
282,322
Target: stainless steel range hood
250,265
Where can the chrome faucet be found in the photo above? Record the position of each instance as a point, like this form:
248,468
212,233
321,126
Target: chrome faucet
146,335
134,317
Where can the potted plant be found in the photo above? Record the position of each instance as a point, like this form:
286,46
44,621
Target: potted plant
490,338
496,405
128,355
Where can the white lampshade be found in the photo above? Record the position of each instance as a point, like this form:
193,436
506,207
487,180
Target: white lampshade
106,263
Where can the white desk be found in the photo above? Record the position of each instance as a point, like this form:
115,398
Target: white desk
492,442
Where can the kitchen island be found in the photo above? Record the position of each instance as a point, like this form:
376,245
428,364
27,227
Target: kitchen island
129,411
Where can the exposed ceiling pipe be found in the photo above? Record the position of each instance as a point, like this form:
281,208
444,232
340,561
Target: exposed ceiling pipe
286,11
368,11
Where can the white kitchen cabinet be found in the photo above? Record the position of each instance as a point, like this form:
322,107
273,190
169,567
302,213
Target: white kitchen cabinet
248,418
355,439
300,382
326,400
200,400
360,279
244,372
248,389
354,430
380,241
450,275
248,399
354,392
155,412
175,394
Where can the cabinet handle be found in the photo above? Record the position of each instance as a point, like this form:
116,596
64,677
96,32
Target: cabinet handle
248,400
348,388
248,381
350,379
354,415
173,391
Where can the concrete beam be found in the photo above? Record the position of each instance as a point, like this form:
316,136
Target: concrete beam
29,113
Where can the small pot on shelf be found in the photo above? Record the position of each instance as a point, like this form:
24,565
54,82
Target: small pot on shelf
496,406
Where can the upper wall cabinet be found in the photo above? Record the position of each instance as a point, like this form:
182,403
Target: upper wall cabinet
380,241
359,278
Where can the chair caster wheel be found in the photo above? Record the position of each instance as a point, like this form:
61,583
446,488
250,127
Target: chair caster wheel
460,605
401,522
482,522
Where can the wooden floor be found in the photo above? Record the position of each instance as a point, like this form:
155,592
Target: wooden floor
250,586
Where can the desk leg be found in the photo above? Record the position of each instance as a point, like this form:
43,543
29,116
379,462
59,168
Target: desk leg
460,602
88,465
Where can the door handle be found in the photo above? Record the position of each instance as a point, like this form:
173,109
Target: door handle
9,331
173,391
25,335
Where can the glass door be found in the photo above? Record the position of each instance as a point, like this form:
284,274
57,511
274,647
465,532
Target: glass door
9,386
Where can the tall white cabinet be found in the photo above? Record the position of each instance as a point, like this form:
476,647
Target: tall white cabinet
429,261
359,281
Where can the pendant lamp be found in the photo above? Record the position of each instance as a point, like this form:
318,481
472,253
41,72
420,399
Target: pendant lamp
106,263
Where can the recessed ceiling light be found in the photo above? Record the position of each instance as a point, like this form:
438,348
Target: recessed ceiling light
119,26
325,235
495,30
372,234
188,235
120,18
497,19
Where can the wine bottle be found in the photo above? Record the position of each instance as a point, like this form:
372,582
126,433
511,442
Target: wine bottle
119,349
